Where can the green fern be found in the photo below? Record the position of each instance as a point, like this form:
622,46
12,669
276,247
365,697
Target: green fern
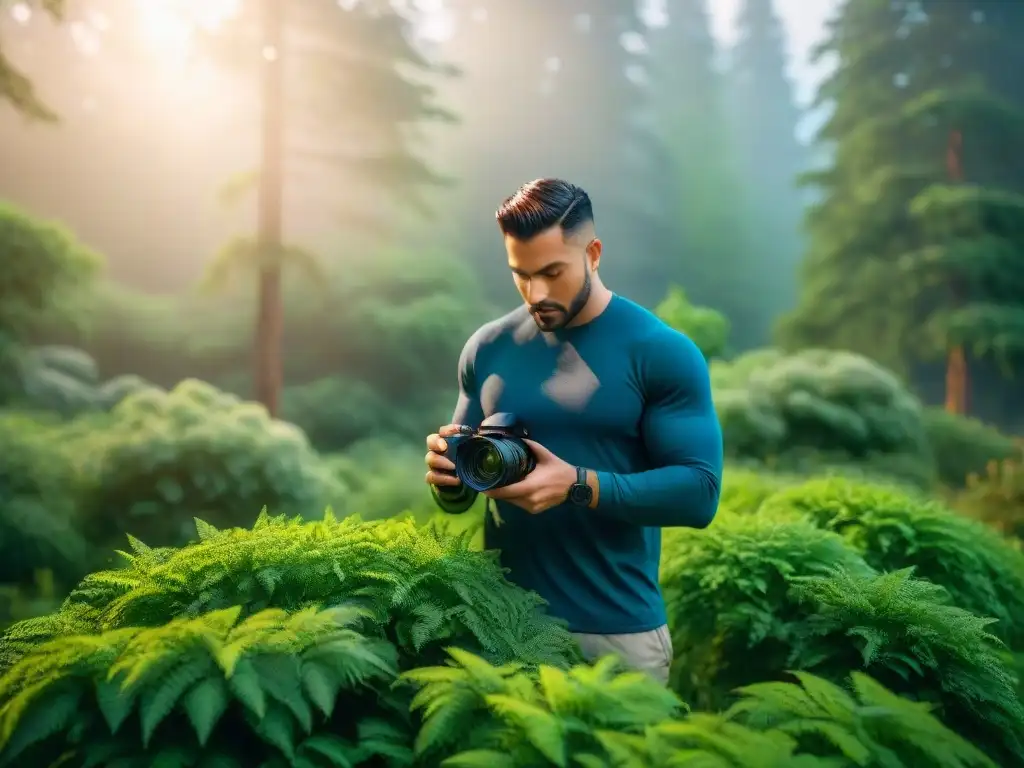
423,591
981,571
755,596
727,590
475,714
869,727
903,632
304,688
711,741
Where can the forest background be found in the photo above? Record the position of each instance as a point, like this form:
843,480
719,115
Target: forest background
132,261
242,244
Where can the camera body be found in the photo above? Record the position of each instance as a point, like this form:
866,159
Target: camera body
491,456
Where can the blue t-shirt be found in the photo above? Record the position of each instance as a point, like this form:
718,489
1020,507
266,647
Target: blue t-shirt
624,395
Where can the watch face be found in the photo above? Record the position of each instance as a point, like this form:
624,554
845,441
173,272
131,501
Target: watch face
579,494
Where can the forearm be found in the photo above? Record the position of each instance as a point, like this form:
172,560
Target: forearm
668,497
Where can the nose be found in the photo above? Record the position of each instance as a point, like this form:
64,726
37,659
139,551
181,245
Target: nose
536,291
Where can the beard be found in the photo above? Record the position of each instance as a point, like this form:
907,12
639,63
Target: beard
552,316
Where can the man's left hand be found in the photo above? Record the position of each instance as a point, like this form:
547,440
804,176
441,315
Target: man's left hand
546,487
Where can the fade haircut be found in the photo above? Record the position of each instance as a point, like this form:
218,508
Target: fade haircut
542,204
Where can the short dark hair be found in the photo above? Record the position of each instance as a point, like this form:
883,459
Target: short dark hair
542,204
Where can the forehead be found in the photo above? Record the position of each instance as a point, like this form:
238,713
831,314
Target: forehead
537,252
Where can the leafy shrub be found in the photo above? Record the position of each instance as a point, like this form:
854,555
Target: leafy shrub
892,530
340,414
383,478
43,272
482,715
728,593
37,511
866,726
821,408
708,329
753,597
744,490
163,457
424,591
907,636
335,412
66,380
479,715
304,688
963,446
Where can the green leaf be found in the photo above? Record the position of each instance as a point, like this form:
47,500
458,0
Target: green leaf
204,705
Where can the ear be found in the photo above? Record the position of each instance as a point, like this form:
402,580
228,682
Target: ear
594,253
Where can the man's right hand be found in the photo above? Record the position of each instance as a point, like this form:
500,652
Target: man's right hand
442,469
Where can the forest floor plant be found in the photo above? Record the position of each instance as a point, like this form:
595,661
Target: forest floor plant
384,643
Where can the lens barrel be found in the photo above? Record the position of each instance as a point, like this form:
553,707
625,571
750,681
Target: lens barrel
485,462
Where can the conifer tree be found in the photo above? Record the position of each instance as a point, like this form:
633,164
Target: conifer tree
765,117
336,71
918,246
555,89
711,252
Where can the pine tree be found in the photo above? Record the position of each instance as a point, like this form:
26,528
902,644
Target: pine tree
335,71
701,186
765,117
555,89
917,248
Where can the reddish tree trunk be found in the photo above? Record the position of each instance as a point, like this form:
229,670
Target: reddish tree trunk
957,375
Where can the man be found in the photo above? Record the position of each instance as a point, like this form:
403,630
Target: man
619,410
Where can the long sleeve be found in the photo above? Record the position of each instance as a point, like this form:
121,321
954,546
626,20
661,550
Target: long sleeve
683,439
469,412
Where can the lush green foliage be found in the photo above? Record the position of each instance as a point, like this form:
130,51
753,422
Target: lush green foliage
963,446
595,716
817,408
320,643
269,690
891,530
755,596
229,640
161,457
423,589
38,525
708,329
312,644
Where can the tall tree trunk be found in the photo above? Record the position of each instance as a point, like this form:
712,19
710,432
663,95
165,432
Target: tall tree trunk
268,375
957,375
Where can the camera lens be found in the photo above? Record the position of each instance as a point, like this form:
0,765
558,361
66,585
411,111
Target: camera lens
485,462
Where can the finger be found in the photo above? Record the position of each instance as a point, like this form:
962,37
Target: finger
437,461
453,429
511,492
442,478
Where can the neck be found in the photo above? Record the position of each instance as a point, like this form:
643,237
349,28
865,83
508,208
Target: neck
598,302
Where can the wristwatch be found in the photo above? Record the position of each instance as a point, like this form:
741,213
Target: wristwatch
581,494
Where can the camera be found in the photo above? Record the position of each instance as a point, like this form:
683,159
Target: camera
491,456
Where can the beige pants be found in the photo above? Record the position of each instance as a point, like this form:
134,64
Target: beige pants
649,652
